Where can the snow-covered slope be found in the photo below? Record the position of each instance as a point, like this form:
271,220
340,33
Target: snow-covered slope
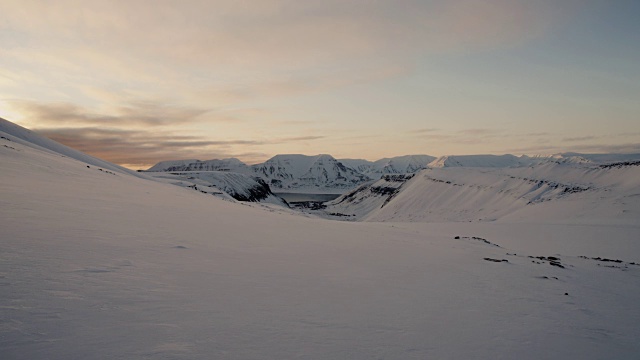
360,165
17,134
95,265
548,191
240,187
231,164
308,173
367,198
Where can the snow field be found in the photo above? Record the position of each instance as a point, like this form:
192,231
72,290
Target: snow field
97,264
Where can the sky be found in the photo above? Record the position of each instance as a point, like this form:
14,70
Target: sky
136,82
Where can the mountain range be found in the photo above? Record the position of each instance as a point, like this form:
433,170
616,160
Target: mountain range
324,173
303,173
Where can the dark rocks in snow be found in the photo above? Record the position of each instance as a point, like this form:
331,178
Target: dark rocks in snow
553,261
397,177
621,164
339,214
477,239
575,189
496,260
383,190
618,261
256,193
311,205
547,277
556,263
607,260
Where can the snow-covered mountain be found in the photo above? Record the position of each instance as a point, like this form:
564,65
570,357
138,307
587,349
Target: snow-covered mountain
395,165
308,173
106,265
498,161
240,187
403,164
550,190
360,165
231,164
294,172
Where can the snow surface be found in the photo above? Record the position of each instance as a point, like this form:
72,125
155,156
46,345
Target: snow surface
227,185
17,134
101,265
548,192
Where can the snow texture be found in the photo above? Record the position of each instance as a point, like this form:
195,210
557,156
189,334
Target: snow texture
549,191
106,265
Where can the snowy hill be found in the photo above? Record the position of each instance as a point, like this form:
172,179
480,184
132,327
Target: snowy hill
237,186
308,173
231,164
367,198
17,134
240,187
99,265
553,191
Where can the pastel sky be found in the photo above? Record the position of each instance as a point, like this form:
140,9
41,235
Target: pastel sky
136,82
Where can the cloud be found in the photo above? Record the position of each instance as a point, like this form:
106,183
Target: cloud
424,131
142,148
626,148
300,138
288,46
147,113
484,132
580,138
